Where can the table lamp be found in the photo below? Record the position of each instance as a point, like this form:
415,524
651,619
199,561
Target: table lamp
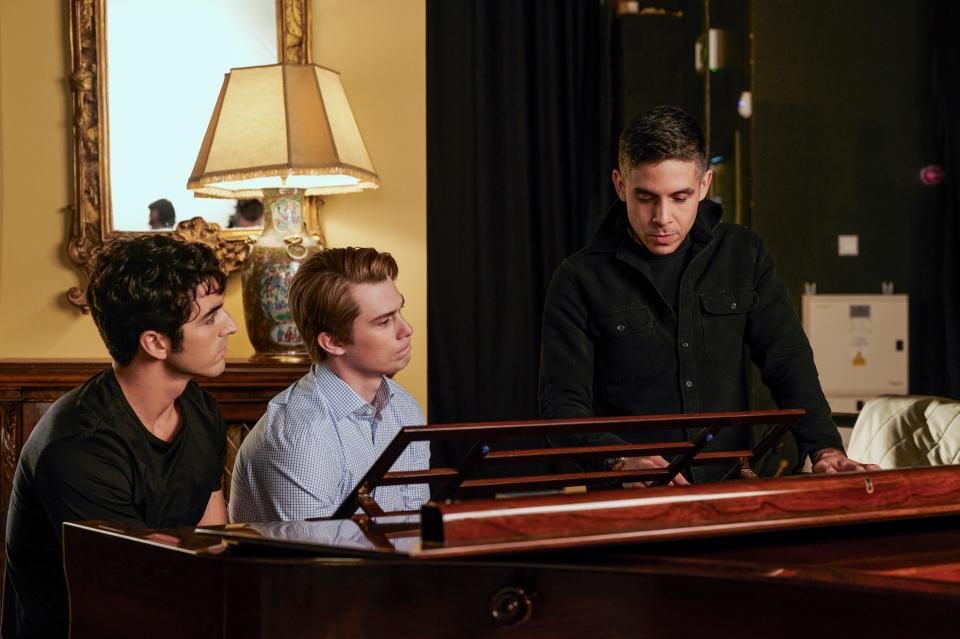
280,132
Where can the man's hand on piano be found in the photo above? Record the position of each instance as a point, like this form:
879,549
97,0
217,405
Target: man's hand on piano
655,461
834,461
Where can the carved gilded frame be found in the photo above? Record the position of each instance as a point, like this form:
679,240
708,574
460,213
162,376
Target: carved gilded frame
90,212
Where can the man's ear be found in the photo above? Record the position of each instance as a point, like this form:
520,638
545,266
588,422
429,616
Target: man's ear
705,183
619,184
330,344
155,344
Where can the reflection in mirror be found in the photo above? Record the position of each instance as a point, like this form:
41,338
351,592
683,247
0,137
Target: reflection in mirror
92,221
166,66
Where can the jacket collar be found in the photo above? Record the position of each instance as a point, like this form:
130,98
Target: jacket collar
613,229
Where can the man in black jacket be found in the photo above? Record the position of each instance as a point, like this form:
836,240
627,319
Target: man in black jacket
658,312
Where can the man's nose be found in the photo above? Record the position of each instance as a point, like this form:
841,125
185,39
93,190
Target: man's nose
662,212
406,328
231,326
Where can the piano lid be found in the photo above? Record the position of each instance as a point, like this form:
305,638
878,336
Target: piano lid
348,537
688,512
629,516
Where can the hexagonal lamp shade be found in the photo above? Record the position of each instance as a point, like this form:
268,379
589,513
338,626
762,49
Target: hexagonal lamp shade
280,132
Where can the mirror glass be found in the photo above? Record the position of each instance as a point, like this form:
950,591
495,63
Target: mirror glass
166,65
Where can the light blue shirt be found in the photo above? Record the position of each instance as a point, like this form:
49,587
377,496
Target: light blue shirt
315,443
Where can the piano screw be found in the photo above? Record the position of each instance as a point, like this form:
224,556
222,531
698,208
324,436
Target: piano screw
709,437
484,448
510,606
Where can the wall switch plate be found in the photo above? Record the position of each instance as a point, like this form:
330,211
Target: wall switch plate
848,245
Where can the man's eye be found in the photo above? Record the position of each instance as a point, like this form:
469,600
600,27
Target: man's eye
680,198
383,322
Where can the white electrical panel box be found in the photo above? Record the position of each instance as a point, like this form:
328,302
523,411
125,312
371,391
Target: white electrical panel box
859,345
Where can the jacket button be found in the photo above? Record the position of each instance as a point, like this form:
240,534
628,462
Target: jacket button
688,383
685,344
621,327
733,306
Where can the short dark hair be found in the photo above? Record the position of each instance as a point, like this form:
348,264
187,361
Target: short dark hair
165,213
320,297
662,133
149,282
250,210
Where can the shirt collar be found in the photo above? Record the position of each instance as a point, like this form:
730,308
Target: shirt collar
381,399
343,400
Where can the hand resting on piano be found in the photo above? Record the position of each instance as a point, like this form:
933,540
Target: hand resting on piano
831,460
654,461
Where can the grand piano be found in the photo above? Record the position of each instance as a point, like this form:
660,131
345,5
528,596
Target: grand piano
871,554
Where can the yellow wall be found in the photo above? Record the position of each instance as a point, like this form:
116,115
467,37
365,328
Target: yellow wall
379,47
35,319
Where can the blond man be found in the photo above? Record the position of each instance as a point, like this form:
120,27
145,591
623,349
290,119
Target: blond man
320,435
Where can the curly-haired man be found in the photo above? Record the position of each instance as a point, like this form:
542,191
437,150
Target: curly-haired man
139,443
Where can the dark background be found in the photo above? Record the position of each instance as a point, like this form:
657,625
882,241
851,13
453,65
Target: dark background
525,99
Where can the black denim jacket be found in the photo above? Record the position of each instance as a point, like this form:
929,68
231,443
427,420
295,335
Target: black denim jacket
613,346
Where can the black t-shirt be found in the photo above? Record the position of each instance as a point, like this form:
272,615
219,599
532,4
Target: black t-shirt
90,457
667,270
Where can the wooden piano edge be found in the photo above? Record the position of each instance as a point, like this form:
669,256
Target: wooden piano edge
438,550
656,514
181,540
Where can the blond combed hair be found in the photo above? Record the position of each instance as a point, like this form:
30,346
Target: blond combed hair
320,297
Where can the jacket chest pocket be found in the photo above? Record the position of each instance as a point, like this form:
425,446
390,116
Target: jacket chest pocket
724,316
627,346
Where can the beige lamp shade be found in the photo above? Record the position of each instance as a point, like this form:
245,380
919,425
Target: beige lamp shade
282,126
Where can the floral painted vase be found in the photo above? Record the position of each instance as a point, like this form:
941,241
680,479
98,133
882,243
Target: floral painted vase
267,271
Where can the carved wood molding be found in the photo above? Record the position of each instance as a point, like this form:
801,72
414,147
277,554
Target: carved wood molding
90,225
231,252
86,238
9,451
293,31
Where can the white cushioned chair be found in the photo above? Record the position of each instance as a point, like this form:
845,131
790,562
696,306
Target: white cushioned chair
894,431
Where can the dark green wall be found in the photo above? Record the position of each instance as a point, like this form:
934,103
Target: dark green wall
836,139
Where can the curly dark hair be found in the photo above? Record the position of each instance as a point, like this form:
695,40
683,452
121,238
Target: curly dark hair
662,133
149,282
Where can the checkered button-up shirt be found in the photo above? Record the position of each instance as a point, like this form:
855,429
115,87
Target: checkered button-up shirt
314,444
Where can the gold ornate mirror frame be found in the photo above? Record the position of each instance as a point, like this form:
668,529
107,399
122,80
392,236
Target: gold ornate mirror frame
90,211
